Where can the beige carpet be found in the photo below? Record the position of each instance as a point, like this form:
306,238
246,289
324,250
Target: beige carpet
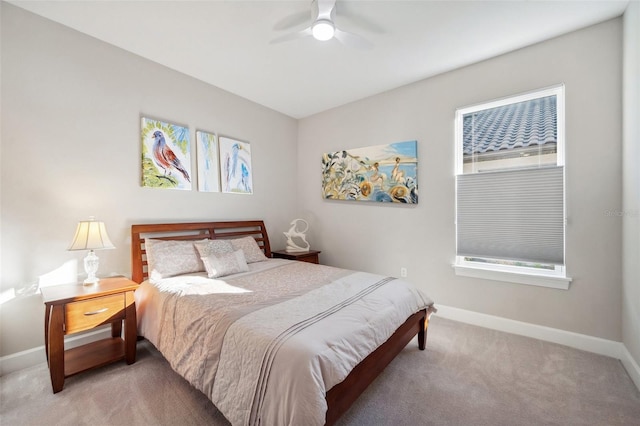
467,376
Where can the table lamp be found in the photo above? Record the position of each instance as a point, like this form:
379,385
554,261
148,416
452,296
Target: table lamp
91,235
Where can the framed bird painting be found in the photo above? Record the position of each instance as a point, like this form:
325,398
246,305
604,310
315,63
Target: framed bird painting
208,173
235,166
166,155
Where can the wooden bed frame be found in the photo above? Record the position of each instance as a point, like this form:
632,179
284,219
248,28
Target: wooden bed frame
341,396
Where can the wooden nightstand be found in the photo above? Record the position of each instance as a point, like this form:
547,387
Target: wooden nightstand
72,308
310,256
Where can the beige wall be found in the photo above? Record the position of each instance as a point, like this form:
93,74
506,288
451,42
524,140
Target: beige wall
631,183
384,238
71,148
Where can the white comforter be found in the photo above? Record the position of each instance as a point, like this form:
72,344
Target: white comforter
265,346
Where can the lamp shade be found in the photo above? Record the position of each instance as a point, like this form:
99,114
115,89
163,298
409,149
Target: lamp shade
91,235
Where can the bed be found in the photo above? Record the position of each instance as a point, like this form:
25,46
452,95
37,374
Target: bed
276,341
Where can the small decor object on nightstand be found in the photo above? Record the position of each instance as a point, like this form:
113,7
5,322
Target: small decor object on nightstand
292,233
91,235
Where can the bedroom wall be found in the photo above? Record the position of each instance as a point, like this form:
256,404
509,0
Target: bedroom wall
383,238
70,143
631,183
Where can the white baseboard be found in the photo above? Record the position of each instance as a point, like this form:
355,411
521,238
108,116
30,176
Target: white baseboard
631,366
31,357
575,340
20,360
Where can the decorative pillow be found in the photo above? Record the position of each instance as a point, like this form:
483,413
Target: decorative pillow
169,258
225,264
249,245
215,247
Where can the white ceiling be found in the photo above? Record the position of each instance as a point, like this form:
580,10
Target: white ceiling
226,43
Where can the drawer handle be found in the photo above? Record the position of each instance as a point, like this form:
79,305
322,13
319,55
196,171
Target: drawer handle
99,311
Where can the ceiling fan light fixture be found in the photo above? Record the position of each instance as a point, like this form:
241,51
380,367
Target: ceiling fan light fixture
323,29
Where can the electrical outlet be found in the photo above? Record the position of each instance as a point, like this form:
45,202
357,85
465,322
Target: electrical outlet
403,272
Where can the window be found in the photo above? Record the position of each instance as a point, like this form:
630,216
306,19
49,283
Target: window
510,210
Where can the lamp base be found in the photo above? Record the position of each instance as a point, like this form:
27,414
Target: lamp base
91,263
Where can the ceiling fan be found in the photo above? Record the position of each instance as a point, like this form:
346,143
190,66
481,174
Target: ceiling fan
323,27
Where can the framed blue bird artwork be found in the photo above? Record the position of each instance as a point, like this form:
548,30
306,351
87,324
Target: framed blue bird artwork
235,166
166,155
207,160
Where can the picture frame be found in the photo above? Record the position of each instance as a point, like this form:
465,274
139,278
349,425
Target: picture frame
236,171
165,155
208,163
380,173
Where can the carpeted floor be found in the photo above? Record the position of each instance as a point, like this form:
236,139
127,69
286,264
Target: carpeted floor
467,376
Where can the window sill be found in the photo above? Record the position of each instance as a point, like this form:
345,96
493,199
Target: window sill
560,283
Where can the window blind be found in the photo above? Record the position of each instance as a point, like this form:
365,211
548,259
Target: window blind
512,215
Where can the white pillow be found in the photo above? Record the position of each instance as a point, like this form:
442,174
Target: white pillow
225,264
169,258
215,247
249,245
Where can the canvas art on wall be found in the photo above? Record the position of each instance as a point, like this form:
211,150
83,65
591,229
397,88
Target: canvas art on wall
235,164
207,155
382,173
166,156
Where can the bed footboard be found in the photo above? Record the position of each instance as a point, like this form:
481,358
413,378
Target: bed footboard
343,395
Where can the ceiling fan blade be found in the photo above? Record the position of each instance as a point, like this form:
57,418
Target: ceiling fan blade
292,36
292,21
323,9
350,15
352,40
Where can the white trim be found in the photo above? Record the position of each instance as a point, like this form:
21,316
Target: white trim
34,356
550,281
631,366
520,277
583,342
557,271
556,89
20,360
568,338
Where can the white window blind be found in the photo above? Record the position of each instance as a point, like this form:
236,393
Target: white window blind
513,215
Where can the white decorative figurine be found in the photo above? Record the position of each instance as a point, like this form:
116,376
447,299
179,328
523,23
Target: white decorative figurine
292,233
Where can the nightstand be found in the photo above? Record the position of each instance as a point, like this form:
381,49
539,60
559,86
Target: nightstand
72,308
310,256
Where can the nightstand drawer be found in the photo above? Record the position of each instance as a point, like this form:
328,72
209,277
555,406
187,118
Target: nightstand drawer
310,259
87,314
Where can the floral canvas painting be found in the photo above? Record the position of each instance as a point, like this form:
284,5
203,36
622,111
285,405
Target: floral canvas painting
166,156
208,170
235,166
382,173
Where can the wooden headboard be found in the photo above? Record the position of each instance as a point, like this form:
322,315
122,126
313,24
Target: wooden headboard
191,231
